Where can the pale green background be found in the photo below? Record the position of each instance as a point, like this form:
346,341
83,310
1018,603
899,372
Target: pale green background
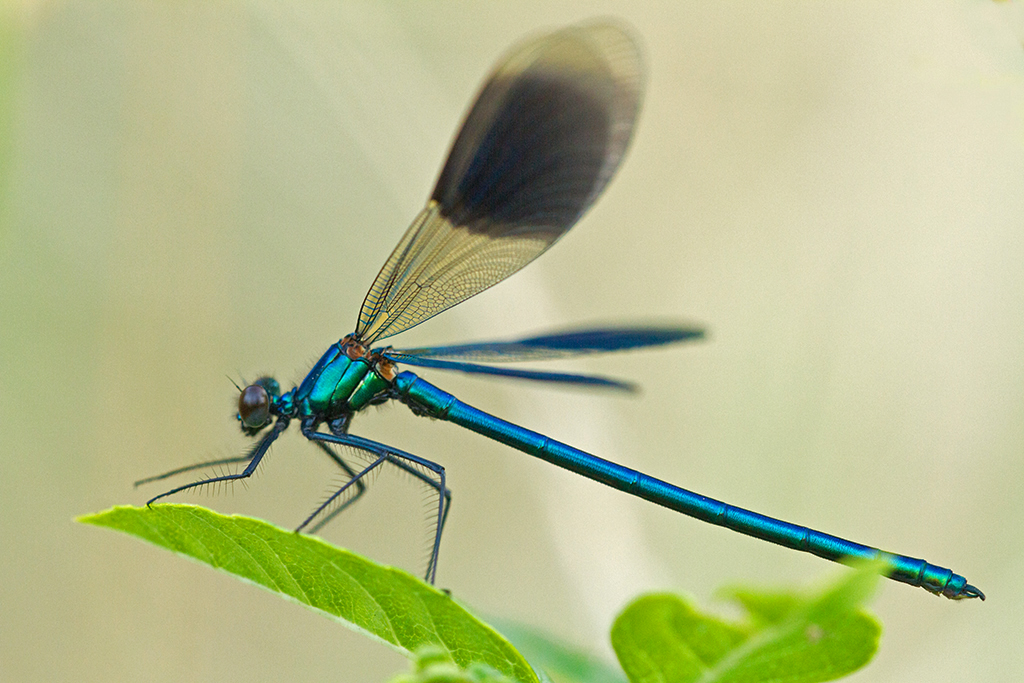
196,190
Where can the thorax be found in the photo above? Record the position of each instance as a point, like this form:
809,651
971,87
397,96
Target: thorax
346,379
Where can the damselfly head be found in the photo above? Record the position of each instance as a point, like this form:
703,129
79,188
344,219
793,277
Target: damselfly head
255,402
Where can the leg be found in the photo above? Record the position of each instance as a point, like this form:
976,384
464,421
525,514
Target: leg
197,466
408,463
254,460
357,480
403,460
339,427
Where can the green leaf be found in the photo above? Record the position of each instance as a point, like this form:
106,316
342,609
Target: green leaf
787,639
661,637
385,603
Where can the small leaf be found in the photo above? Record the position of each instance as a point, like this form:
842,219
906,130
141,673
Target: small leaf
661,637
789,639
432,665
385,603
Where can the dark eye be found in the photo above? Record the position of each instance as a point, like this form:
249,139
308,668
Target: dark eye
254,406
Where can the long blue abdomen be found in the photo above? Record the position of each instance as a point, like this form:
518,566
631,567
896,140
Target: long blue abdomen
443,406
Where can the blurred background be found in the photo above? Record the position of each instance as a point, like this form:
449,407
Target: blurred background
192,193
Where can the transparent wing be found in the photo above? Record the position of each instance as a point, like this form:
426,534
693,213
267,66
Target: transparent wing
542,140
557,345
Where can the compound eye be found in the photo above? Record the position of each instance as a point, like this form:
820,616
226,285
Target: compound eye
254,406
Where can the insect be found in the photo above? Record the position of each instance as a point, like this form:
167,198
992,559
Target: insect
545,135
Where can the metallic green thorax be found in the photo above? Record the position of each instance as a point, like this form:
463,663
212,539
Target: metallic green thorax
338,384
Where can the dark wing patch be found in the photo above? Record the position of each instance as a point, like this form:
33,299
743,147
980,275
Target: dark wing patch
541,142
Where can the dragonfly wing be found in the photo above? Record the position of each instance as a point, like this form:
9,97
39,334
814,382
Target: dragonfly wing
542,140
535,375
558,345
